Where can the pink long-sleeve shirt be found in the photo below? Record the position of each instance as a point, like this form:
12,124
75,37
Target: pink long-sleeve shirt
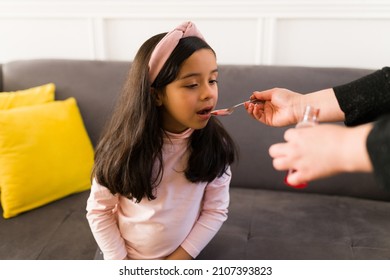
183,214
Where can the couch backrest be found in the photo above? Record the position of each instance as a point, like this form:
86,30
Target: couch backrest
96,85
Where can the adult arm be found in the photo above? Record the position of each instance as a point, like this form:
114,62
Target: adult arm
284,107
315,153
357,102
365,99
378,147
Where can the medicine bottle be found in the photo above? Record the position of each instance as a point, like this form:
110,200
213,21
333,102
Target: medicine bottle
309,119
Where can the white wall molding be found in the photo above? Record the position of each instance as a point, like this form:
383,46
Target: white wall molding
266,48
267,31
97,37
199,9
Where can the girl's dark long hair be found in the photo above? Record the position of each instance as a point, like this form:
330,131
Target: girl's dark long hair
128,157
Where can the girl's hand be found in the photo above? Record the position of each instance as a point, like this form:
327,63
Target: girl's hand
322,151
282,107
179,254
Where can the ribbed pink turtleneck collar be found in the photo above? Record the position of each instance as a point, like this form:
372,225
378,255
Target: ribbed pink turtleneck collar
178,136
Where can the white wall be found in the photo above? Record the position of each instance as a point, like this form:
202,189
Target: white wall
344,33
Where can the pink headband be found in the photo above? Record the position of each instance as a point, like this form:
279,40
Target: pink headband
166,46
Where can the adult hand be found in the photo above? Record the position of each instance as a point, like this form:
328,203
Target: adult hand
281,107
322,151
284,107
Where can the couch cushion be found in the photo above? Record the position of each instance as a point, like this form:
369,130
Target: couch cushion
45,154
56,231
265,224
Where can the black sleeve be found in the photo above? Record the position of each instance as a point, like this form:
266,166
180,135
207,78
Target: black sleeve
365,99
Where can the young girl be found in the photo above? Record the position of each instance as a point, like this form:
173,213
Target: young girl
162,167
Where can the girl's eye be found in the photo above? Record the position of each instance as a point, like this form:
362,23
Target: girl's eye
191,86
213,82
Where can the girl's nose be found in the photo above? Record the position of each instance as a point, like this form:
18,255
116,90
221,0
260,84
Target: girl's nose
208,92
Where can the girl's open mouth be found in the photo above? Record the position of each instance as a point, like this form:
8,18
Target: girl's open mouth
205,111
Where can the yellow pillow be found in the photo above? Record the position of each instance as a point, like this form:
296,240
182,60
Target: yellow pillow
45,154
32,96
27,97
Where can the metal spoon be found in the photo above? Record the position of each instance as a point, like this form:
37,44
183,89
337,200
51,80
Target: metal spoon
230,110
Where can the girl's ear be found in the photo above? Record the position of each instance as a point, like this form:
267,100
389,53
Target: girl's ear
158,96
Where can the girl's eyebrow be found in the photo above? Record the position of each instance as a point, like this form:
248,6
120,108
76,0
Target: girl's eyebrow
195,74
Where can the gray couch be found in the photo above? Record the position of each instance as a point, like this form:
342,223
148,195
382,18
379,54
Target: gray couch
345,217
